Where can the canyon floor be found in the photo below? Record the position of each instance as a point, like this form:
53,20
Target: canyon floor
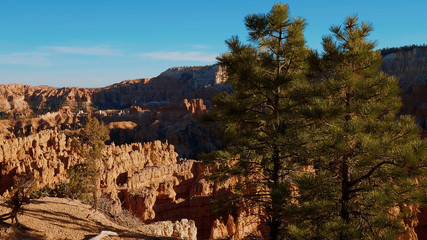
60,219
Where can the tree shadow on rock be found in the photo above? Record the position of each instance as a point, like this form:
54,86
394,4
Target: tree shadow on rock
19,232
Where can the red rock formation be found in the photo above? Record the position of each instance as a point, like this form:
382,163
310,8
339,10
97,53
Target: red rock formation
184,229
135,110
62,119
13,99
23,100
195,106
46,154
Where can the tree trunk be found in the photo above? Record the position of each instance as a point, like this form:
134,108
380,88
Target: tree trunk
345,192
345,182
274,229
345,196
275,198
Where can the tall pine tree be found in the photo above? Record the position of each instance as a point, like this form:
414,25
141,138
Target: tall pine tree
258,122
369,161
84,177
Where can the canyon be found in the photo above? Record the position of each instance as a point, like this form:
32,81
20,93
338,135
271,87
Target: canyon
163,108
147,166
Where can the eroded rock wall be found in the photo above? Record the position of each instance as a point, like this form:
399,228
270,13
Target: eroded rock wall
411,69
17,101
184,229
46,154
409,66
176,124
154,185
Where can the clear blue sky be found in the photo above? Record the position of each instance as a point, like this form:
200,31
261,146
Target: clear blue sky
95,43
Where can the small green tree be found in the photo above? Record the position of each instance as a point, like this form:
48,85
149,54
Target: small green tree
84,177
258,120
369,162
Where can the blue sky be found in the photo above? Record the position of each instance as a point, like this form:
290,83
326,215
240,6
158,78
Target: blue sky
95,43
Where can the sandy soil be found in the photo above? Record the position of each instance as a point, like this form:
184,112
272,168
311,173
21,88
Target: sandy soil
60,219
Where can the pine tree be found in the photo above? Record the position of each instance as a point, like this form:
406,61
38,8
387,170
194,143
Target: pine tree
89,143
369,162
257,120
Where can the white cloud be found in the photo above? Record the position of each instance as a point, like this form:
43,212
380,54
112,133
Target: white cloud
181,56
28,59
200,46
104,51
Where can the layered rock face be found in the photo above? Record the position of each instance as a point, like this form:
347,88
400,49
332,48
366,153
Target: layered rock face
23,100
60,120
12,99
169,88
409,66
411,69
198,77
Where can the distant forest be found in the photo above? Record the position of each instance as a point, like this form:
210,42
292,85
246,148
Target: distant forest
386,51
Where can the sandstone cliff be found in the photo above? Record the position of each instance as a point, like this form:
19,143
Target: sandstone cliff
169,88
23,100
410,66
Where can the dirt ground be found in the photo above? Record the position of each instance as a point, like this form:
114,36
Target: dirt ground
60,219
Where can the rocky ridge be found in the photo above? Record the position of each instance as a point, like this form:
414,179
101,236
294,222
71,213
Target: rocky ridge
410,66
168,89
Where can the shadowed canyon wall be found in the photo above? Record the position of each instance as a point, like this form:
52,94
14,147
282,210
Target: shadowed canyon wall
410,67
